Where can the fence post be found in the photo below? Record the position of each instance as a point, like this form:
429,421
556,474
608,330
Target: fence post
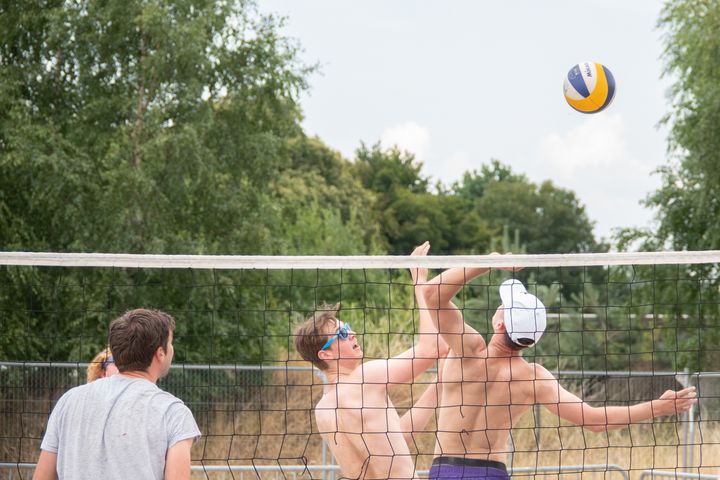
691,424
538,424
511,449
685,380
324,458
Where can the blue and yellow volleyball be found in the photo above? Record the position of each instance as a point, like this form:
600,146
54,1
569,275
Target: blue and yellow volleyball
589,87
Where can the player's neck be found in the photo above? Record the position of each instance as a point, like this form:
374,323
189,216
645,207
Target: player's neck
339,371
141,374
497,348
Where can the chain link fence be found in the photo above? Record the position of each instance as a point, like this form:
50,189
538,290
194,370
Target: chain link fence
262,416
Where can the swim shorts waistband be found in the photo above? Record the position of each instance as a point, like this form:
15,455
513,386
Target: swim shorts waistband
468,462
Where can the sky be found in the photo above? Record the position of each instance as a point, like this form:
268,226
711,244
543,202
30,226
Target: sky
461,82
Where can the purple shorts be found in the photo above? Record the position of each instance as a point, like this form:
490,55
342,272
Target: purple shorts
467,469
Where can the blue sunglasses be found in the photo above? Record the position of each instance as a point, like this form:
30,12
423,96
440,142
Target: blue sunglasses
343,333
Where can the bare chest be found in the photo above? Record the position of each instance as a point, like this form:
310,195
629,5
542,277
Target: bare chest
356,408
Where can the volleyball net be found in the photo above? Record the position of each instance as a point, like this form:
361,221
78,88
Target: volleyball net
621,329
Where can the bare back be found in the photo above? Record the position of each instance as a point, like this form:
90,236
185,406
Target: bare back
362,428
483,397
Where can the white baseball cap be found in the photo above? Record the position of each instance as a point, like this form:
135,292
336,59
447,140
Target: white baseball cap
525,315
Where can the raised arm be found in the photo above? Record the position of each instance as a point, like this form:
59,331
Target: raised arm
429,342
462,339
568,406
416,418
412,362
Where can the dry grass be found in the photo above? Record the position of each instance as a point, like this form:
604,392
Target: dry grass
277,428
284,437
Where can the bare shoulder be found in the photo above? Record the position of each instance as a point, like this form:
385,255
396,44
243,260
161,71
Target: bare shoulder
545,382
327,402
520,369
479,348
540,373
372,372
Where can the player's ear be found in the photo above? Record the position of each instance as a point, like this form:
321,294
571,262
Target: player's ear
160,353
498,319
324,355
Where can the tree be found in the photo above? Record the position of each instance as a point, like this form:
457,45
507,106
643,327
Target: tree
474,183
407,212
549,219
389,170
320,207
687,204
545,218
144,127
126,120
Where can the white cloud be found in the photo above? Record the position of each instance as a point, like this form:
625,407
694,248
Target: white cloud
415,138
407,136
599,141
449,169
594,160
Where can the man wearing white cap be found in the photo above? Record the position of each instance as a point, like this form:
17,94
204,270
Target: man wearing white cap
524,318
486,388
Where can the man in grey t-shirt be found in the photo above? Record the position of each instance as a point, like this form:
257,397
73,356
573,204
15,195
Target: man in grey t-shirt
123,426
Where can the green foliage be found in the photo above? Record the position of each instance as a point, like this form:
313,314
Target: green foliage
130,120
474,214
319,207
474,183
549,219
687,200
687,203
174,127
541,219
156,127
389,170
408,212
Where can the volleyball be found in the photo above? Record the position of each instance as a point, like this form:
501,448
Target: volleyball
589,87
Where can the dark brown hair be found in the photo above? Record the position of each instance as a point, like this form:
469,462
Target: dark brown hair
135,337
312,334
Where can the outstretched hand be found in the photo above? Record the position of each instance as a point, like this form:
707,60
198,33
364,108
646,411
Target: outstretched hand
673,402
419,275
508,269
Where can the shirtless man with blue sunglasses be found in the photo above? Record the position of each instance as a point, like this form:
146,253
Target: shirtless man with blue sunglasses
355,415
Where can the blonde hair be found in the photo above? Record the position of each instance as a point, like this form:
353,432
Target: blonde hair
97,366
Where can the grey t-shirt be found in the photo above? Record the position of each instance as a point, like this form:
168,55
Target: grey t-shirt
116,428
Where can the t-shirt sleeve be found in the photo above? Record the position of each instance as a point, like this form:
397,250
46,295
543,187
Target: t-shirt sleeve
181,424
51,440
